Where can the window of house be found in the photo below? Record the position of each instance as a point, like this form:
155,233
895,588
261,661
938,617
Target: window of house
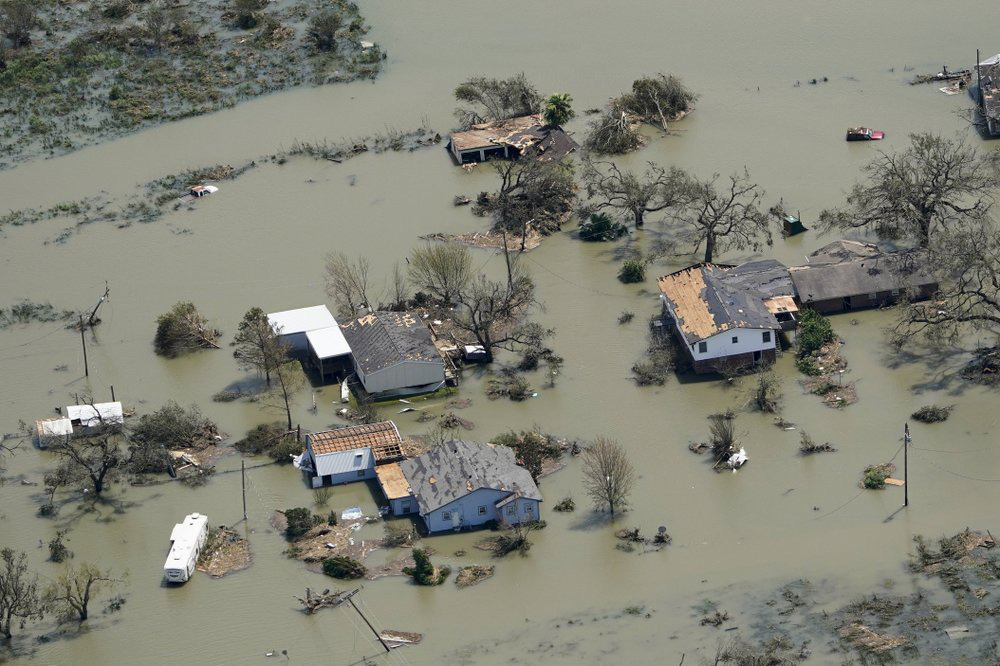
767,336
527,508
511,509
405,507
361,473
736,339
895,292
482,511
358,457
702,347
872,296
446,515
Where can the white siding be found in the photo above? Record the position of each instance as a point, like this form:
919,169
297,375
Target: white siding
343,466
402,375
464,512
721,344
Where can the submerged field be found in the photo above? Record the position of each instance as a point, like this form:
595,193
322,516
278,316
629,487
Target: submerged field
786,533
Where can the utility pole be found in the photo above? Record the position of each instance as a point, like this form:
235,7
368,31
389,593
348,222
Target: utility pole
83,340
243,481
377,635
506,256
112,393
906,480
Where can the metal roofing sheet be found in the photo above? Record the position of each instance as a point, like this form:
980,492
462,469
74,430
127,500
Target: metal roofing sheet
328,342
301,320
92,415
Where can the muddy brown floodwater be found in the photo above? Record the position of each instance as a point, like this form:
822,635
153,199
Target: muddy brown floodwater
261,241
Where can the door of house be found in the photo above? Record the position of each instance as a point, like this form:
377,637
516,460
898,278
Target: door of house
847,303
757,355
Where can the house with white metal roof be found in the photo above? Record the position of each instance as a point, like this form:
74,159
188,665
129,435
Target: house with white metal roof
314,333
291,326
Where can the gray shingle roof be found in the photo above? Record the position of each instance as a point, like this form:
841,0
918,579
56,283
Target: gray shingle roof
382,339
460,467
868,275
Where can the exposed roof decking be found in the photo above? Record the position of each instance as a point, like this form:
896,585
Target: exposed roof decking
394,484
519,133
383,439
706,303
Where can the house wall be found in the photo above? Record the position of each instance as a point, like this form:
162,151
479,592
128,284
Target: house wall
721,345
343,467
464,512
403,506
402,375
863,301
767,356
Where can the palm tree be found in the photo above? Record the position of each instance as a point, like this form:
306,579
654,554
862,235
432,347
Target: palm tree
558,109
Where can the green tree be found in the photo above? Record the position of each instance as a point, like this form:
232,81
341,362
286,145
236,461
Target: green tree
558,109
17,19
344,567
659,99
257,345
423,571
813,331
183,329
322,29
298,522
247,12
633,270
495,100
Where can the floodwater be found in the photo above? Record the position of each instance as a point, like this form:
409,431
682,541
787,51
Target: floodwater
262,239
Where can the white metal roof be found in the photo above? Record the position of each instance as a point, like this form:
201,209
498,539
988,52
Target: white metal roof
328,342
54,427
301,320
92,415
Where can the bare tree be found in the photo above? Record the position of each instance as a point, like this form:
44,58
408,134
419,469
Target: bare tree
657,189
157,22
347,283
76,587
288,380
935,184
493,312
967,262
19,597
724,440
398,289
17,19
534,194
766,392
257,345
608,475
94,459
444,269
614,132
184,329
493,100
722,218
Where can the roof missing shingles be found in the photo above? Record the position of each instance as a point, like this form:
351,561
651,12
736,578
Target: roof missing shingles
382,339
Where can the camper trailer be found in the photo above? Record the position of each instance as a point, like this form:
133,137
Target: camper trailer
187,539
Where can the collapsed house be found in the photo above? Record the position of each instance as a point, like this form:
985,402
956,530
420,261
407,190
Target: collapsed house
849,275
461,485
78,420
349,454
729,317
510,139
394,354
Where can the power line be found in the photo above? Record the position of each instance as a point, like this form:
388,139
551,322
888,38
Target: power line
963,476
568,281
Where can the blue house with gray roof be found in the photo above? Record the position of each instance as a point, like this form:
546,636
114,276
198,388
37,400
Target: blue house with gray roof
461,485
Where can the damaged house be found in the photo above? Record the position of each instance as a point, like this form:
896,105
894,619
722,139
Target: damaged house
510,139
728,317
461,485
349,454
849,275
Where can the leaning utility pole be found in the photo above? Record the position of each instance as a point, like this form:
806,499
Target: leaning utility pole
93,313
83,340
377,635
906,480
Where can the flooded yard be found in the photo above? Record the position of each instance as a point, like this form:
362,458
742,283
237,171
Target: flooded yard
262,239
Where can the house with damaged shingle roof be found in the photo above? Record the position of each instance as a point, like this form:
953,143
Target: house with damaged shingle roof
461,485
394,354
349,454
729,315
509,139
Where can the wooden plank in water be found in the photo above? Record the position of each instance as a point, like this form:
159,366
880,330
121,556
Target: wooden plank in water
894,482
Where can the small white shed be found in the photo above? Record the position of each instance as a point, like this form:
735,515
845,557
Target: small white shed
291,326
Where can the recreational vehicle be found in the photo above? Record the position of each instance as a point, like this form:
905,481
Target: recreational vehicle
187,539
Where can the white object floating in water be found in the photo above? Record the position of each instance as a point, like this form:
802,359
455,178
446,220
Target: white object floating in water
737,460
353,513
367,45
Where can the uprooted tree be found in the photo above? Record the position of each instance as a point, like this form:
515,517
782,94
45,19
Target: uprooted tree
534,195
256,345
493,100
934,185
608,475
632,194
614,131
721,216
183,329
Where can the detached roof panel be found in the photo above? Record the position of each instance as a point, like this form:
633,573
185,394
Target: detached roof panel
302,320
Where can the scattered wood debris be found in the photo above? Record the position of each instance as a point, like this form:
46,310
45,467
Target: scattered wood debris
861,636
472,575
225,552
326,599
394,638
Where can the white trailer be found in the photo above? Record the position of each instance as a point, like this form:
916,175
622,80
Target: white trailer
187,539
